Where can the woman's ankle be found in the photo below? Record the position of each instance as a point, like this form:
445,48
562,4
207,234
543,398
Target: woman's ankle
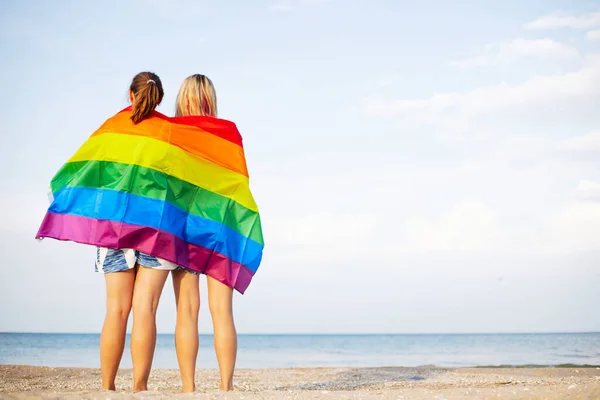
140,387
226,386
188,388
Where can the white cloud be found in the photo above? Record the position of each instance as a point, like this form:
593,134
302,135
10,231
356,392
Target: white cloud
474,227
586,185
471,226
457,109
584,143
593,35
476,61
388,81
325,229
281,6
516,49
286,5
321,238
174,9
575,229
559,20
588,190
23,212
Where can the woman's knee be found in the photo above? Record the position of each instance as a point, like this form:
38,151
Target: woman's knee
190,306
187,293
118,309
148,288
119,293
220,307
145,305
220,299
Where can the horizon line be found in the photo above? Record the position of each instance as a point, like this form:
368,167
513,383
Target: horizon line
334,333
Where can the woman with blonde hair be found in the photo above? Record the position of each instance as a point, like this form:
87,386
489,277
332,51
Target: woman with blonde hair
156,194
197,97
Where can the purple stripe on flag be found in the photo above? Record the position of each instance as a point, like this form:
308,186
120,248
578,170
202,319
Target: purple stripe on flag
118,235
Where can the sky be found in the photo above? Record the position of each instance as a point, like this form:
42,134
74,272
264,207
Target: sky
419,167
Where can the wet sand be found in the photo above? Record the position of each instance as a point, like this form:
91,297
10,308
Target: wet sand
26,382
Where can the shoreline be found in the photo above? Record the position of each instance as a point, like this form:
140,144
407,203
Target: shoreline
427,382
485,366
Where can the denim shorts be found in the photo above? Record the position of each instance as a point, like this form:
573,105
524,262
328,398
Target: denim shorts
118,260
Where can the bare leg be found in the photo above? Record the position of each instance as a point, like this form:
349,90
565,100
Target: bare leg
220,302
119,291
187,297
149,284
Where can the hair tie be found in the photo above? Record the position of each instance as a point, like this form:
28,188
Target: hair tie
150,80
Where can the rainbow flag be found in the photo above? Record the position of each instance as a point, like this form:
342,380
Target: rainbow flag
175,188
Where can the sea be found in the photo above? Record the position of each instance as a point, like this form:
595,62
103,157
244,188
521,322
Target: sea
287,351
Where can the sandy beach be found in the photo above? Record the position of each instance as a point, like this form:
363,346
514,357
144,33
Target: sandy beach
25,382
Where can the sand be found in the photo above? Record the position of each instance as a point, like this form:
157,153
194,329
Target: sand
25,382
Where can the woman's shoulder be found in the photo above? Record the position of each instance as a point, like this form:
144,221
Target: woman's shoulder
219,127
